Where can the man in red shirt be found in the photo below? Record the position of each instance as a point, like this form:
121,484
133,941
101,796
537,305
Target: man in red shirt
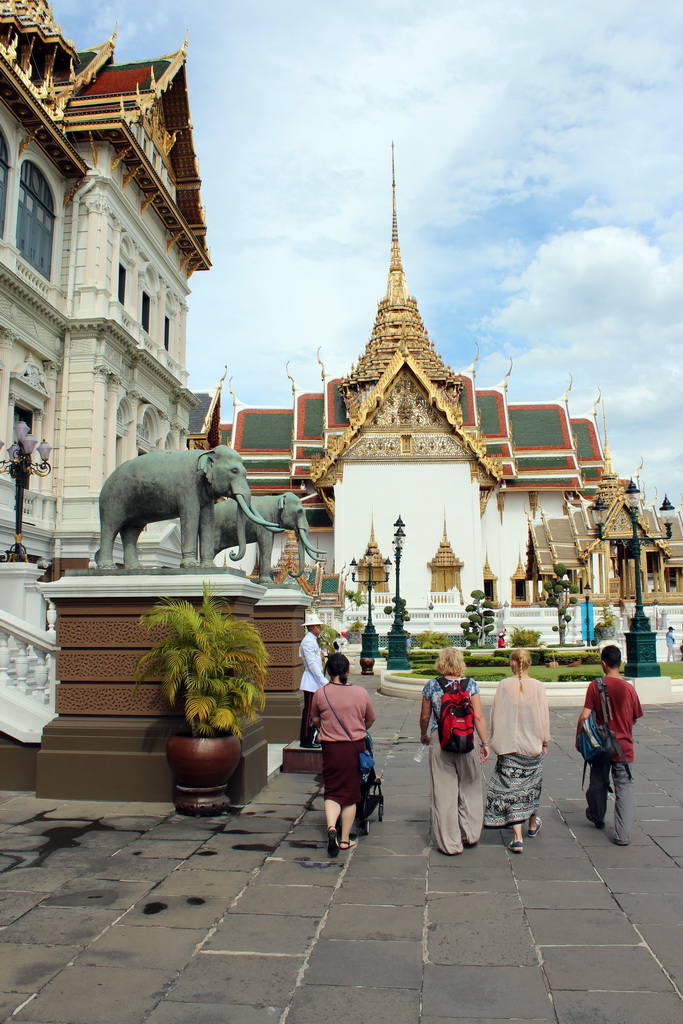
626,710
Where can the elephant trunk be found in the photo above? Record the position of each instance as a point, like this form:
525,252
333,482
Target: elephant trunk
255,517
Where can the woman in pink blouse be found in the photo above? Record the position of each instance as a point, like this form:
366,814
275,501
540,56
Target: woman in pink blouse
520,731
343,714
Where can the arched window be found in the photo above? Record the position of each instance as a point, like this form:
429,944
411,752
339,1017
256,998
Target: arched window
4,168
35,219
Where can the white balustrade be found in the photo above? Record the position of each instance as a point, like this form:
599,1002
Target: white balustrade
26,668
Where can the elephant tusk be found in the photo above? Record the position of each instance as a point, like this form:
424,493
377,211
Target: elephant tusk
255,517
315,553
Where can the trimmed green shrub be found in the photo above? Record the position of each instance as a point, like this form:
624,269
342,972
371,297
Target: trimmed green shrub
429,640
524,638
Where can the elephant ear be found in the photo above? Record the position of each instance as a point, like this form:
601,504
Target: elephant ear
205,463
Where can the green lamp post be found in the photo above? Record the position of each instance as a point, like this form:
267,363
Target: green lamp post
641,641
398,658
369,641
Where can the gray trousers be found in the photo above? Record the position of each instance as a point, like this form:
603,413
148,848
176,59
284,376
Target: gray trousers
457,797
624,797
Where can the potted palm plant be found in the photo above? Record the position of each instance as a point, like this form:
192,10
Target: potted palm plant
213,665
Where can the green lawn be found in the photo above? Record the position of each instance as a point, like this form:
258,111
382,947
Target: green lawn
552,675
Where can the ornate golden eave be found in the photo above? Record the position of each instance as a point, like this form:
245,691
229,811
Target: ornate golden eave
129,152
39,125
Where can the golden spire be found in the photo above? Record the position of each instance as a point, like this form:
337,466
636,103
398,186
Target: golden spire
397,288
609,468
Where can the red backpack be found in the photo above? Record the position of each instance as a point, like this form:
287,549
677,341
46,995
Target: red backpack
456,719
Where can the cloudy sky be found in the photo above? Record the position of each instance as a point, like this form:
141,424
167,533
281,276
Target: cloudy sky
539,163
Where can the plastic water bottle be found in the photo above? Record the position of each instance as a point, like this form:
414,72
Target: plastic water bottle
420,753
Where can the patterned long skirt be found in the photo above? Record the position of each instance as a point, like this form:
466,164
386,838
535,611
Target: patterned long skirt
514,792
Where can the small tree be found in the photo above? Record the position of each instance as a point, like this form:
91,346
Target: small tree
355,597
480,619
559,591
390,610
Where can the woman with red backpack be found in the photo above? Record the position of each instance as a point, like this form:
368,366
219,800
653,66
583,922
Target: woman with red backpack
452,703
520,731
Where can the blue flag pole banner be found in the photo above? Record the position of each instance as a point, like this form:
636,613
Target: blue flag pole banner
587,631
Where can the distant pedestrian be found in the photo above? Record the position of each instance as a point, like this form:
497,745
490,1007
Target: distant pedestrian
520,731
457,795
626,710
501,639
312,679
670,641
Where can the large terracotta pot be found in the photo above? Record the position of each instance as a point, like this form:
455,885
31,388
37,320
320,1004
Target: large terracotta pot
202,768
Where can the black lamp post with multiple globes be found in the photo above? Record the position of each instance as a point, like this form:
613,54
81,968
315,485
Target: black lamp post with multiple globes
19,465
641,641
398,658
369,641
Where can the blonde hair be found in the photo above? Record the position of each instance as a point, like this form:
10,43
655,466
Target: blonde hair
450,662
522,659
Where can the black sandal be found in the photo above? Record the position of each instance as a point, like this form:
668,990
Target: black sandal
332,843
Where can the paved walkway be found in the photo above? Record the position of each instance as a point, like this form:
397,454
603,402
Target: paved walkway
124,913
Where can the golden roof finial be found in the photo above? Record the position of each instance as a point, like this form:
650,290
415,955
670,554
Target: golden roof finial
291,378
397,289
597,403
504,382
322,367
444,539
470,368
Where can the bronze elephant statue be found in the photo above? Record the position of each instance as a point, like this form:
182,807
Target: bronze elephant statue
286,510
163,485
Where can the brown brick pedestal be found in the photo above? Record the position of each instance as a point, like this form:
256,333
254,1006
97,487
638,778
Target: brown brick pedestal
108,743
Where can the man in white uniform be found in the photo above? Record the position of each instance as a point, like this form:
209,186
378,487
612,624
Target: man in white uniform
313,677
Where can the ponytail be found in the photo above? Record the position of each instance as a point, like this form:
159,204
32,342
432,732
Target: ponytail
522,659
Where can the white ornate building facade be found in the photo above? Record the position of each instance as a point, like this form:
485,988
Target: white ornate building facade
101,226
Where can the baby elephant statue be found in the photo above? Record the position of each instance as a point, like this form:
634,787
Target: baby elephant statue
163,485
284,509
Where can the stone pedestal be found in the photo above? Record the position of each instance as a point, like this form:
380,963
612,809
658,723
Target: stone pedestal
108,741
279,618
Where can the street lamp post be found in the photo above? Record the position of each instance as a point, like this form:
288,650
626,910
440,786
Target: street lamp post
369,641
587,594
398,658
20,465
641,641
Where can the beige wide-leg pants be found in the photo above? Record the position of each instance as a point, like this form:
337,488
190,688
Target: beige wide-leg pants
457,794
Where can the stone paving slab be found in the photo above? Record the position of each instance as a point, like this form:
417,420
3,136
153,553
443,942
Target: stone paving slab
457,992
263,933
317,1004
616,968
395,964
121,946
617,1007
383,924
59,926
81,995
575,927
237,978
169,1012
